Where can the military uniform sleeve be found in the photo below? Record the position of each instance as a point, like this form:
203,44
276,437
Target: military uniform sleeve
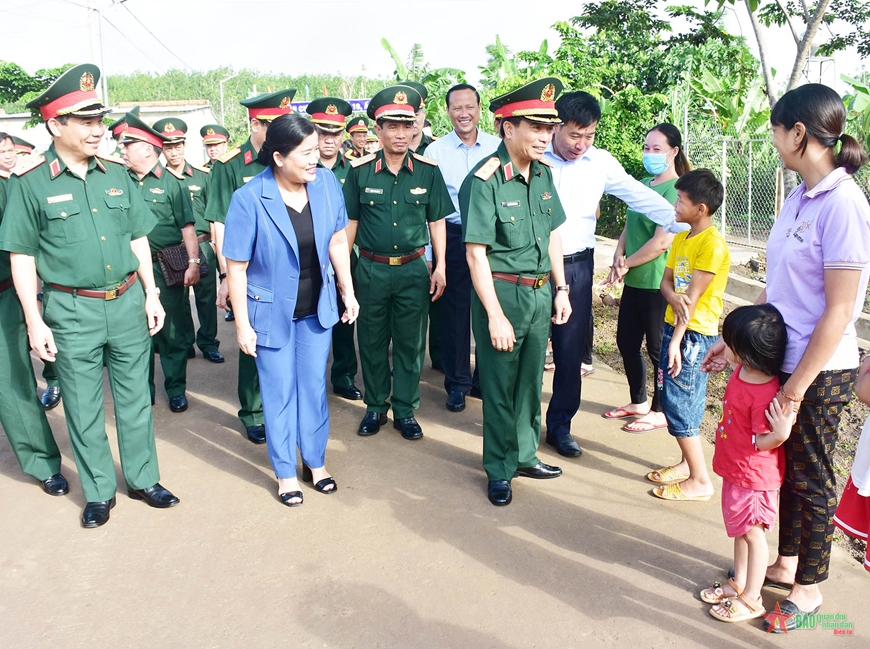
241,228
477,208
19,231
142,219
351,194
220,193
440,203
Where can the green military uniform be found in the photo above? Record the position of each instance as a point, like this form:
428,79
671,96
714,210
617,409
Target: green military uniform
392,213
513,218
21,414
194,179
355,125
213,134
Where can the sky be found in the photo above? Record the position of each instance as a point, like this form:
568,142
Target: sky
300,36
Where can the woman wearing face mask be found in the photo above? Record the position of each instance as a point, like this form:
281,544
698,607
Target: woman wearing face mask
640,263
285,233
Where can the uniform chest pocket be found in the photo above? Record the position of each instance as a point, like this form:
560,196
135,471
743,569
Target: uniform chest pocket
118,207
546,208
65,222
416,203
508,226
160,206
368,196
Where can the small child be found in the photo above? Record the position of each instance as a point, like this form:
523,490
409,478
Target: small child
694,282
853,512
748,454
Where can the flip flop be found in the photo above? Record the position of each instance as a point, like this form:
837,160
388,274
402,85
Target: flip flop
619,413
734,612
646,427
719,594
667,474
675,492
586,372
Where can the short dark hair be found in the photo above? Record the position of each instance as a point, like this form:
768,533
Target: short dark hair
63,120
5,136
284,134
757,335
821,110
461,86
513,120
578,107
702,186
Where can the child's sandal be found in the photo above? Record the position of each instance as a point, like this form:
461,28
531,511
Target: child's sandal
716,593
734,613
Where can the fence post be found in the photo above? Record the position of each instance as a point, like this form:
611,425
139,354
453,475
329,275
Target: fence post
724,181
749,201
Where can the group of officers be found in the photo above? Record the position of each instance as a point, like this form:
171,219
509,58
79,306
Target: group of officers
86,231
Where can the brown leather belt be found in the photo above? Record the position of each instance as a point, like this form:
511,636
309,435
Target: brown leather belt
7,284
535,281
111,294
203,238
392,261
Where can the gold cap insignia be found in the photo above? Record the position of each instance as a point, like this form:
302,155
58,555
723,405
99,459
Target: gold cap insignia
548,93
209,131
284,102
331,110
169,127
86,83
361,123
400,98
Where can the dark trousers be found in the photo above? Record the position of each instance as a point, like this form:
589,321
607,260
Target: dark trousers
569,341
641,315
344,365
586,359
456,317
808,497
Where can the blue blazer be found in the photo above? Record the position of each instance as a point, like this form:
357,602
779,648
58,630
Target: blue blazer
258,230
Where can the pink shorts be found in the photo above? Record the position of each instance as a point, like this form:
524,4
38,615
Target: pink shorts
744,508
853,516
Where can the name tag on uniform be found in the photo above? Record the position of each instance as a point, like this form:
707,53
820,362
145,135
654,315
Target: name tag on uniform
546,196
374,190
416,191
194,188
246,178
157,190
60,198
510,203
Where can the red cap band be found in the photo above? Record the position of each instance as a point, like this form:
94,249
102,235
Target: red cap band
328,118
142,136
396,110
523,108
257,113
77,98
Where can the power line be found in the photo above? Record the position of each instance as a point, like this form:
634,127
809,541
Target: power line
133,43
154,36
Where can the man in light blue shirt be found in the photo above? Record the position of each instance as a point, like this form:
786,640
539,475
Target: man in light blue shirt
457,153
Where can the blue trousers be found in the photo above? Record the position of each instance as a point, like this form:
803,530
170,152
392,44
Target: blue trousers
293,385
456,317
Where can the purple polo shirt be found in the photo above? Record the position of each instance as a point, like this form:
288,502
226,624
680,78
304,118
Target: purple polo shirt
826,227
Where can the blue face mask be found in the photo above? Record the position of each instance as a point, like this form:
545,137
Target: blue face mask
655,163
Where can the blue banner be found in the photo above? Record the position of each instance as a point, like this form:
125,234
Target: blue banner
358,105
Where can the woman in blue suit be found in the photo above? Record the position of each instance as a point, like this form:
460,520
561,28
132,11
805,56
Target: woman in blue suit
285,246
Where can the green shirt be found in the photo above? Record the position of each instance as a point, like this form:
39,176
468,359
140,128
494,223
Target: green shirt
638,230
340,168
195,180
393,210
5,270
169,203
512,218
229,173
78,230
426,141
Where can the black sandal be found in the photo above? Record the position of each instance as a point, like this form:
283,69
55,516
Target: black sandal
321,485
289,496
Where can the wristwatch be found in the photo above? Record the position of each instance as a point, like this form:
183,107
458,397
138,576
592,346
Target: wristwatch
153,291
565,288
196,261
222,276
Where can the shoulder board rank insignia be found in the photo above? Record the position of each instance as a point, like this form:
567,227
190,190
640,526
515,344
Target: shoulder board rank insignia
157,190
204,170
4,174
545,163
249,157
179,175
422,158
109,158
114,192
350,154
34,163
364,160
229,155
489,168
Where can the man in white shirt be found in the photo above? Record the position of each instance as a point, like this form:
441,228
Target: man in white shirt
457,153
583,174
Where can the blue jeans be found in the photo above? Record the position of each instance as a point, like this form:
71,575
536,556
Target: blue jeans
684,398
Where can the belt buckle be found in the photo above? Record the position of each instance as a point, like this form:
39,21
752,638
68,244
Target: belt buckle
540,281
111,294
395,261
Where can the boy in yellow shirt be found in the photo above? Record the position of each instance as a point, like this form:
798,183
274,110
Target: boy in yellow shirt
693,284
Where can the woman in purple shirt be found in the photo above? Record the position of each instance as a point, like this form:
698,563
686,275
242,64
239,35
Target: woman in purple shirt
817,270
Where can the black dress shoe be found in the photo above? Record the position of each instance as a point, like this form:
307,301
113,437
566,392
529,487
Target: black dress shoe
351,393
155,495
540,471
230,317
178,404
371,424
500,492
56,485
213,355
475,392
410,428
565,445
51,397
96,514
456,401
257,434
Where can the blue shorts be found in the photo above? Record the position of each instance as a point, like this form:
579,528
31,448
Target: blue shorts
684,398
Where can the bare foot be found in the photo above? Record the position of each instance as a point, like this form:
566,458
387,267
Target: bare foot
321,474
694,489
287,485
780,572
629,410
649,422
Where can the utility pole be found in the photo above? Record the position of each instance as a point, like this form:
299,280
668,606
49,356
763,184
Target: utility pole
221,84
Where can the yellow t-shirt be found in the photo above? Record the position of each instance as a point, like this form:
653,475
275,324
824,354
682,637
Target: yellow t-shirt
705,251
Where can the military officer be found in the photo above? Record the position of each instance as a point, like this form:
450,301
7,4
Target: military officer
229,173
194,179
8,154
373,144
420,140
116,129
329,115
21,416
214,138
357,128
391,197
510,212
171,205
22,147
74,220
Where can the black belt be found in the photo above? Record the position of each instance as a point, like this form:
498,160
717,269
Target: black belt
578,256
